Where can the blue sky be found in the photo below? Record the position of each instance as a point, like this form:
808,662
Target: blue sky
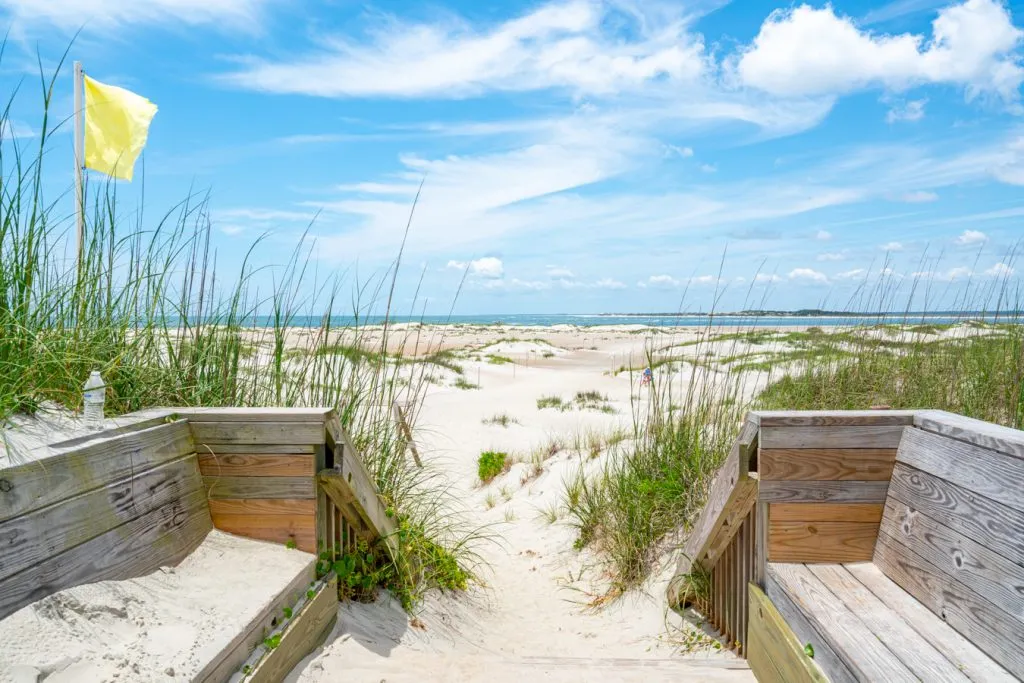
577,156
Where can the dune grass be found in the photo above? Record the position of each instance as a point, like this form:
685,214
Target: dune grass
635,507
146,305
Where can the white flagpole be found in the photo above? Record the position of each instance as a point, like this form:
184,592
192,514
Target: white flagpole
79,162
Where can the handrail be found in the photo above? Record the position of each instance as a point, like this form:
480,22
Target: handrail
732,494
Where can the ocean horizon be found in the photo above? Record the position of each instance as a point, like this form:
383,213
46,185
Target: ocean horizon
775,319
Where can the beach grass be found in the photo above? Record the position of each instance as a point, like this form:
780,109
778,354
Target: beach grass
145,304
641,504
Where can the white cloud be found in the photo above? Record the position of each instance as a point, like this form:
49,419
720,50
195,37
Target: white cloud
684,152
707,168
609,283
111,14
919,197
516,284
808,275
808,51
892,246
906,111
767,278
959,273
823,235
232,230
832,256
265,215
578,46
486,267
1000,270
13,130
855,274
660,282
968,237
704,280
559,272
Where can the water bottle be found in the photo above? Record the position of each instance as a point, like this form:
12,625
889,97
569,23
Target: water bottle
95,393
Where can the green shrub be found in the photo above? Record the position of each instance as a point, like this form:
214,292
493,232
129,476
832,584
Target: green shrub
491,464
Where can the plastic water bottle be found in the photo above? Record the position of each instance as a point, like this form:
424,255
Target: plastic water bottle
95,393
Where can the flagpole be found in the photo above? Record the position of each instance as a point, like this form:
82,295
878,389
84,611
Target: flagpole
79,163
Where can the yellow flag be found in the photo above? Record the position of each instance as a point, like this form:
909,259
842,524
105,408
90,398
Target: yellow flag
116,127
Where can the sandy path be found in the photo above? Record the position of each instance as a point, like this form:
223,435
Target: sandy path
532,619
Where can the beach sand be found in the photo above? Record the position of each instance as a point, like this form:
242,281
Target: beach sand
541,614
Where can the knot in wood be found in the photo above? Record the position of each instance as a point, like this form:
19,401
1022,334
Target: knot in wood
5,485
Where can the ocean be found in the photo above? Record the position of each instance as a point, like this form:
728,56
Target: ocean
660,320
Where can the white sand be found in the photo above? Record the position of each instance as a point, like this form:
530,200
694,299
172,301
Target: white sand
165,626
534,619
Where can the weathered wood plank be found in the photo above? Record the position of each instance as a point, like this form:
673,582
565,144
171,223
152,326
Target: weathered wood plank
834,418
761,520
306,630
994,526
826,512
823,491
232,657
826,464
68,473
260,487
257,433
806,632
262,506
989,473
967,658
972,615
249,449
773,651
887,436
728,502
256,465
987,573
163,536
271,528
984,434
821,541
866,656
29,539
264,414
916,653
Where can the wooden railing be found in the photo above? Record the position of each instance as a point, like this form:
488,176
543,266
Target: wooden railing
719,554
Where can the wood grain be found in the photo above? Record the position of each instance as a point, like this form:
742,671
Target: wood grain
823,491
161,537
987,573
961,652
306,630
261,432
272,528
83,468
806,631
865,655
260,487
731,495
887,436
999,634
259,414
991,524
826,464
262,506
29,539
834,418
989,473
826,512
773,651
249,448
821,541
256,465
231,657
916,653
984,434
